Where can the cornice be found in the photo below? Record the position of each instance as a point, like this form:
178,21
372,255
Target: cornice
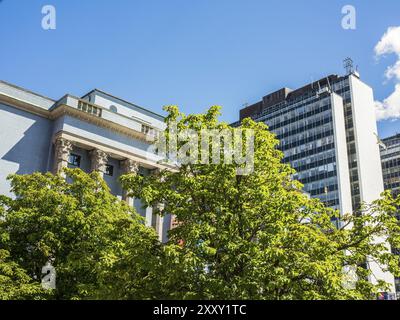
25,106
63,109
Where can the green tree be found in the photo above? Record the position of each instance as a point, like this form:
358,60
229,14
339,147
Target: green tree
258,236
86,233
254,236
15,283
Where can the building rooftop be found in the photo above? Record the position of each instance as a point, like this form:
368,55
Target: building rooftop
47,103
125,102
287,95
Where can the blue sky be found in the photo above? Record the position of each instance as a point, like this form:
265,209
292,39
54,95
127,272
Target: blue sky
194,53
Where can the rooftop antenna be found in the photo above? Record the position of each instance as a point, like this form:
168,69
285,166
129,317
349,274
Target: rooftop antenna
348,65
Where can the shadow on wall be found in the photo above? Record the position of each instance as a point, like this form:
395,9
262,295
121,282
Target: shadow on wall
24,140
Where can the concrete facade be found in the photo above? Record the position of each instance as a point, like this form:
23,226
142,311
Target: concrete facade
96,132
390,157
327,131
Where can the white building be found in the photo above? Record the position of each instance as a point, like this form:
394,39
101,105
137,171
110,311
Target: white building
390,156
327,132
95,132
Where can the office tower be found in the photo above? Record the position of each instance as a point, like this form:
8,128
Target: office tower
327,132
390,156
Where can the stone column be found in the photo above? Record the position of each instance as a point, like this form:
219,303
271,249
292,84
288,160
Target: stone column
148,216
98,160
158,222
129,166
63,148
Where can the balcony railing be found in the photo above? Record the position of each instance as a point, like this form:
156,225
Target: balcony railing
89,108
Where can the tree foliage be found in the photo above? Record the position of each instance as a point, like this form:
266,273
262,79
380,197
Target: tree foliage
15,283
78,226
258,236
255,236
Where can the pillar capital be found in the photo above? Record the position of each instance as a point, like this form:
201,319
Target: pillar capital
129,166
63,147
98,160
62,150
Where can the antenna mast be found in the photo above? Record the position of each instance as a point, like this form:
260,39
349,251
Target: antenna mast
348,65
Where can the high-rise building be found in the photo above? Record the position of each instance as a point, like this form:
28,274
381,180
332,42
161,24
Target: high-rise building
98,132
390,155
327,132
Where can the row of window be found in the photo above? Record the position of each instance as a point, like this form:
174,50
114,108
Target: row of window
292,125
297,129
341,87
316,177
313,159
393,163
300,105
316,141
324,190
320,184
351,149
390,155
276,123
311,146
279,109
75,161
308,153
389,174
315,164
392,185
331,203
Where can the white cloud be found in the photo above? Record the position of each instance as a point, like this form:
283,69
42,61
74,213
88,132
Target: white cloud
390,44
390,107
393,71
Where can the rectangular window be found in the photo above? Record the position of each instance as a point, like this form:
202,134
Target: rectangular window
74,160
109,170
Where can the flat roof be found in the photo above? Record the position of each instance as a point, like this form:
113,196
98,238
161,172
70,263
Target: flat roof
26,90
123,100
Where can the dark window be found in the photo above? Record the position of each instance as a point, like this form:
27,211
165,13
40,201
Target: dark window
74,160
109,170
